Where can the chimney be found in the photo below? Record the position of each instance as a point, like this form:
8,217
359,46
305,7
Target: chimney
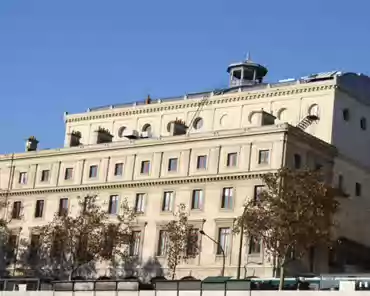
178,127
31,144
74,139
148,100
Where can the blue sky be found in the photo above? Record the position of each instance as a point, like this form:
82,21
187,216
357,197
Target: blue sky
68,55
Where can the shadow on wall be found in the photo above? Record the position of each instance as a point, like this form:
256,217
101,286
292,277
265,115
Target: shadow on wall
34,263
137,269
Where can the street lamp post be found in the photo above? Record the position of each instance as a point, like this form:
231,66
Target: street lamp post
221,248
240,245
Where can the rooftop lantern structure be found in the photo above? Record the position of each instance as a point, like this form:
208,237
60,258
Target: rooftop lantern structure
246,73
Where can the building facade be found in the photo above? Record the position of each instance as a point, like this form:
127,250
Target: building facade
208,151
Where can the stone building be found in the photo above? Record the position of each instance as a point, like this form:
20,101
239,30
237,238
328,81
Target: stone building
206,150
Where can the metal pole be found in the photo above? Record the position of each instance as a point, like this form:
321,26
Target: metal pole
221,248
240,246
240,251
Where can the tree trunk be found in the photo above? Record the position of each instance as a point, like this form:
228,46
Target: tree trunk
174,272
281,282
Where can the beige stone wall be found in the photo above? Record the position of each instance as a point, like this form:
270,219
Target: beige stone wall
281,141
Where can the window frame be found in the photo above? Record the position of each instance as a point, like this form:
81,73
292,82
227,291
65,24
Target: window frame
118,169
113,202
232,160
43,174
170,167
230,198
261,160
61,209
200,202
145,164
167,206
37,214
93,171
142,203
226,245
199,162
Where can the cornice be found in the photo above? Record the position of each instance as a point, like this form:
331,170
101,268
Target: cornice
214,135
192,103
135,184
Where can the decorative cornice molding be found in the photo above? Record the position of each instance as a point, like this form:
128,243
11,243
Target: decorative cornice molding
138,184
213,135
213,100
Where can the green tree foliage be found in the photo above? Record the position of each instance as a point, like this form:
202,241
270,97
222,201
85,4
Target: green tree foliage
293,214
182,240
70,241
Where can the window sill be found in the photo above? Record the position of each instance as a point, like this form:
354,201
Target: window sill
230,167
227,210
195,211
166,212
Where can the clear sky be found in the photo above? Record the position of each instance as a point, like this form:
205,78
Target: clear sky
68,55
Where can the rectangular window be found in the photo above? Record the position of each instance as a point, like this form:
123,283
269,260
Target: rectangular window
257,192
118,169
17,207
172,165
263,156
113,204
162,243
232,159
197,199
139,203
135,243
193,241
63,207
318,166
93,171
358,189
254,246
34,245
297,161
202,162
167,201
109,233
12,245
145,167
340,182
68,174
22,178
39,209
227,198
223,240
45,174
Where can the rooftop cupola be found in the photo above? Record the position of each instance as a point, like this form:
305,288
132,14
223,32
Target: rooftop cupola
246,73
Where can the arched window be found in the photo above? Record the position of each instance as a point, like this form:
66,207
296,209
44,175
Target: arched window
147,128
314,110
198,123
363,124
345,114
121,131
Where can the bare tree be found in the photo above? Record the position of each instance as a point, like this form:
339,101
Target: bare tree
182,240
293,213
69,242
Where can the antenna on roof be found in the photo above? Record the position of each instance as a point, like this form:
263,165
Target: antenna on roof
248,58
